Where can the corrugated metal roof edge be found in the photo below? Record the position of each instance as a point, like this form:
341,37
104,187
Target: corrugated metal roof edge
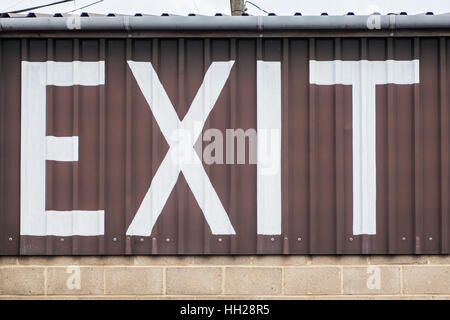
225,23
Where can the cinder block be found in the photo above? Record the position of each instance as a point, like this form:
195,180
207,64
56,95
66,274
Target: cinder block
107,298
74,280
268,260
8,261
439,259
280,260
163,260
133,280
398,259
194,280
222,260
179,297
426,279
22,281
75,260
342,297
312,280
402,297
47,260
254,280
38,298
339,260
207,297
106,260
371,280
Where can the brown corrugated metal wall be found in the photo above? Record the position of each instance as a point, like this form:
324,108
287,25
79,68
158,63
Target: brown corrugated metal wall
121,147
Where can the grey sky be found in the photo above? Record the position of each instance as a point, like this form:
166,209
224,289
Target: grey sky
210,7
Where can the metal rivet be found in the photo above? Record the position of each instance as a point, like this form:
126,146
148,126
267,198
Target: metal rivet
220,239
10,238
272,239
141,239
114,239
403,238
154,238
62,239
430,238
167,239
351,238
299,239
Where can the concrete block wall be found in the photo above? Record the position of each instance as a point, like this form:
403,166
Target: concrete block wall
226,277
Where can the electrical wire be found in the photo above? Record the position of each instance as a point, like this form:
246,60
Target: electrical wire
41,6
257,7
84,6
196,7
15,4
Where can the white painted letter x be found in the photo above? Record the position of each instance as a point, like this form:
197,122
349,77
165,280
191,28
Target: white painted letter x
167,174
